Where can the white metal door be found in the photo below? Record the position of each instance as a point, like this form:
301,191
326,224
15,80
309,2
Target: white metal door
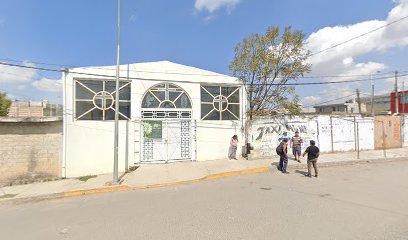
166,140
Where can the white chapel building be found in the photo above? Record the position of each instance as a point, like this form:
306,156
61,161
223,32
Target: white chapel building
168,112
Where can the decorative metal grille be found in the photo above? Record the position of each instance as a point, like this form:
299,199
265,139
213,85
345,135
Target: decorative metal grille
175,143
148,149
167,96
220,103
166,114
185,139
95,100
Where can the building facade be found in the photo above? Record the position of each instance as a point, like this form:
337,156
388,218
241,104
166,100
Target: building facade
168,112
381,103
34,109
402,105
347,107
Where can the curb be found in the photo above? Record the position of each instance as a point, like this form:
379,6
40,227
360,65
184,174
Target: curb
167,184
122,188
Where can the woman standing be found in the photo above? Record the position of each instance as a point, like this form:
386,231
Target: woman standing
232,154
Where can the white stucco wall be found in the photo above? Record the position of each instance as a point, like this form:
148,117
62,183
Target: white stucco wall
266,133
89,144
344,130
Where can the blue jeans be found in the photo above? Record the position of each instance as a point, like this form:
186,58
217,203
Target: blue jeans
283,163
297,151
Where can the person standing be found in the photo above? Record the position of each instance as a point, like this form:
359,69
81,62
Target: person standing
313,153
232,154
283,155
296,145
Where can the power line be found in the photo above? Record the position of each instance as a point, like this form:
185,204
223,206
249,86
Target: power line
39,63
358,36
332,100
222,75
193,74
161,80
321,51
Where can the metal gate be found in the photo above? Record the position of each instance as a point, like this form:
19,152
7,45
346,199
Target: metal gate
164,140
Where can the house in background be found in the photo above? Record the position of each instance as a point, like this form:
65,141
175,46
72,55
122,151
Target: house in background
34,109
27,109
381,103
402,102
168,112
348,107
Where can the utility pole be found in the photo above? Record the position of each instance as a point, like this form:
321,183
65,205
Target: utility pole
372,96
116,140
403,97
396,92
358,101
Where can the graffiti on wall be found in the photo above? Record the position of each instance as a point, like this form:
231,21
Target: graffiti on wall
266,136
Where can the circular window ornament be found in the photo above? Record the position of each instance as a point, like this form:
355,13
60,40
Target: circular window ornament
220,103
167,104
103,100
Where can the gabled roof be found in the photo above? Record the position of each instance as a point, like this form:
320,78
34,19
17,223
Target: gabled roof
160,71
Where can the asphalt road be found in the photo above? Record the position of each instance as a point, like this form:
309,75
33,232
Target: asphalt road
368,201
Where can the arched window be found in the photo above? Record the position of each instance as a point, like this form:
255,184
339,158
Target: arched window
166,95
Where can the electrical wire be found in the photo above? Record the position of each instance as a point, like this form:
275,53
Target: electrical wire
39,63
332,100
161,80
192,74
312,54
359,36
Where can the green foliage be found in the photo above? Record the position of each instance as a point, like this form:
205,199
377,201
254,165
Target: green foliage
86,178
7,196
5,104
265,63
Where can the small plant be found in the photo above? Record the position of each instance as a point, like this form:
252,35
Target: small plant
86,178
8,196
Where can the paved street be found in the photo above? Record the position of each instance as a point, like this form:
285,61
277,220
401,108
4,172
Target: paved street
367,201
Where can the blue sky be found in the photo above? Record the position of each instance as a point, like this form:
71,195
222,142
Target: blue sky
200,33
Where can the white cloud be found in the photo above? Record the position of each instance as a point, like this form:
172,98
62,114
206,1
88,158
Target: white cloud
48,85
310,100
340,60
213,5
17,74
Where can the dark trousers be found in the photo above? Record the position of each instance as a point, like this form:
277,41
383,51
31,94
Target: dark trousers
283,163
309,166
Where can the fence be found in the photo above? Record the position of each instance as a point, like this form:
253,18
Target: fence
331,133
30,151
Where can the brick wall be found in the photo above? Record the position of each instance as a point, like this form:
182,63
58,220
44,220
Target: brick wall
30,151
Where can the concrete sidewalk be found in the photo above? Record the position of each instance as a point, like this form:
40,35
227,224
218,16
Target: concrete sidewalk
156,175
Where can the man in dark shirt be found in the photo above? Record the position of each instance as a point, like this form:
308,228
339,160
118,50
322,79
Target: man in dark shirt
312,156
283,158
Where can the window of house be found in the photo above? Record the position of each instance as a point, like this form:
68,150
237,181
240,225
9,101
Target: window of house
334,109
220,103
153,129
166,95
95,100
